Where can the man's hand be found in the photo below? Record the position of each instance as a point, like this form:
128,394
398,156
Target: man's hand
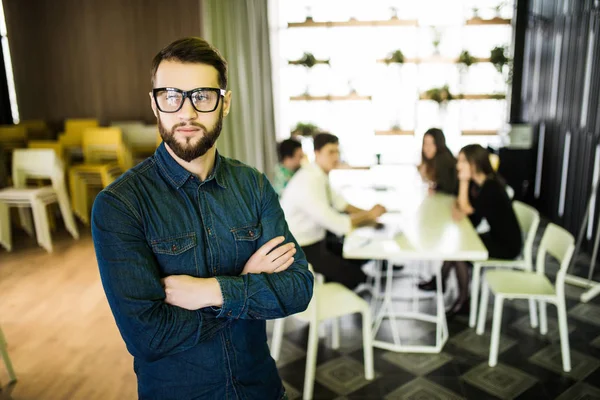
192,293
270,258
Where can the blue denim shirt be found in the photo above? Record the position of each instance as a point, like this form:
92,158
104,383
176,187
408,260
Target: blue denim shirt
157,220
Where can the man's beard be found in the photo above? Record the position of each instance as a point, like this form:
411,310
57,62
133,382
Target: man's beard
193,147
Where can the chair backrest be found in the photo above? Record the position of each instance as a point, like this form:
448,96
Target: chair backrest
36,163
47,144
102,145
560,244
529,221
73,134
36,129
12,136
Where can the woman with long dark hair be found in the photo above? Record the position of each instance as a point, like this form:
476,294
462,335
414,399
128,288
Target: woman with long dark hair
438,165
481,194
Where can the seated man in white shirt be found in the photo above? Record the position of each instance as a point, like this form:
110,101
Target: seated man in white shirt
311,209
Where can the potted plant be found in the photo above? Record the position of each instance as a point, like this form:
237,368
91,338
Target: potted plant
395,57
305,129
440,95
393,13
437,38
498,8
476,13
466,58
498,57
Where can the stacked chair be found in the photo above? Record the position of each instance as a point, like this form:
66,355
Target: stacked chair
106,156
35,164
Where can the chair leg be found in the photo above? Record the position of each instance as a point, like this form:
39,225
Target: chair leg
533,317
543,318
497,321
311,361
277,338
25,220
6,358
42,230
367,344
5,232
475,284
564,335
67,213
483,305
335,333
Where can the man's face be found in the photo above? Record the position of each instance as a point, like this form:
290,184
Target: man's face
187,132
296,160
328,157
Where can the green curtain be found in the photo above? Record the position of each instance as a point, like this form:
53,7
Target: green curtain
240,30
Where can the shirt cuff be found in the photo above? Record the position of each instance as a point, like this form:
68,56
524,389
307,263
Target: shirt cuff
233,289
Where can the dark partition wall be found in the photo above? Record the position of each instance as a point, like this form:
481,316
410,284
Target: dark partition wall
88,58
561,98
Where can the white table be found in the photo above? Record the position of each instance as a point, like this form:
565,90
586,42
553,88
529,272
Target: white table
422,230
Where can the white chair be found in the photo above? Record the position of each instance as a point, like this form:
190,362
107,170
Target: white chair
529,220
36,164
6,358
532,285
330,301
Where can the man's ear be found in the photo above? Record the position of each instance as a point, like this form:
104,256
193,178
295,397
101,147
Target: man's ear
226,103
153,105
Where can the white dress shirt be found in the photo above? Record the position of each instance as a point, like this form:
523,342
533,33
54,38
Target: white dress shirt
311,207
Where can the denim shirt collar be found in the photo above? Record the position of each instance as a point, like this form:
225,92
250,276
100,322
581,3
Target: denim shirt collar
177,175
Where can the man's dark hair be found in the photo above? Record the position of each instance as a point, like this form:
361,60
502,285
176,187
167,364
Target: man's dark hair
322,139
192,50
287,148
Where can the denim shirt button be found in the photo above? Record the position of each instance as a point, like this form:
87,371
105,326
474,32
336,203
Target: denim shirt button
251,234
229,314
173,247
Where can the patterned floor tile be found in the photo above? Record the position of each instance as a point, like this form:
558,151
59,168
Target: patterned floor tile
589,313
418,364
480,344
291,391
550,358
501,381
343,375
289,353
581,391
523,325
422,388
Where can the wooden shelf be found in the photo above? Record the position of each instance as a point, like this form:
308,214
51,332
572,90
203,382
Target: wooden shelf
298,62
329,98
432,60
395,132
309,23
479,132
497,96
493,21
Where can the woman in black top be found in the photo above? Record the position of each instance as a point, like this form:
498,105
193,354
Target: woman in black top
482,194
438,165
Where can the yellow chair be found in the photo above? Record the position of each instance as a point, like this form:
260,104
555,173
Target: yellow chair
72,138
12,137
106,157
36,129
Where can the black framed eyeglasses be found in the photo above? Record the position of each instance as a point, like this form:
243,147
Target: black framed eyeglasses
204,100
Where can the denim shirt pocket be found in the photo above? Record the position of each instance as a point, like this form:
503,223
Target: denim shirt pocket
176,255
245,243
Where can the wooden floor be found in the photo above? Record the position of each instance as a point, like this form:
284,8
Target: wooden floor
61,335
